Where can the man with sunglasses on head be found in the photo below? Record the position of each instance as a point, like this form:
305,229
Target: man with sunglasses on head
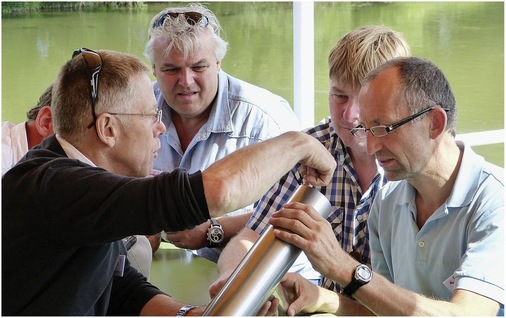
85,188
436,230
207,112
357,177
18,139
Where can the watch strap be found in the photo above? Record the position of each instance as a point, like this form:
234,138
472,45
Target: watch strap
355,283
214,224
351,288
184,310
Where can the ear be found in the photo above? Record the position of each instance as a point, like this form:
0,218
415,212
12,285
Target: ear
438,123
107,130
218,65
153,70
44,122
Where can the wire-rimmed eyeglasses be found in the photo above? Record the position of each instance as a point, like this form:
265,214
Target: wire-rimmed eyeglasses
193,18
94,63
381,131
157,114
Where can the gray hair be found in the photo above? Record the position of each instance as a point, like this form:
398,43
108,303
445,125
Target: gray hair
178,34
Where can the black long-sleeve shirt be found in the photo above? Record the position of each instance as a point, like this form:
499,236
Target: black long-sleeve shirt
62,225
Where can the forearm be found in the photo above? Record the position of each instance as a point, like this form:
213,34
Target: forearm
235,251
233,225
341,305
163,305
242,177
384,298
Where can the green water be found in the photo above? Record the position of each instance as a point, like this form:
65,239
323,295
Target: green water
466,39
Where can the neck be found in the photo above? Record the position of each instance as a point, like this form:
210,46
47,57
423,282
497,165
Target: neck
32,135
434,185
187,128
365,166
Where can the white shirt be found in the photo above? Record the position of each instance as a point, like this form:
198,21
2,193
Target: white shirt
14,144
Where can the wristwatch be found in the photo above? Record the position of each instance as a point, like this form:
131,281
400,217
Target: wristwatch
184,310
361,276
215,233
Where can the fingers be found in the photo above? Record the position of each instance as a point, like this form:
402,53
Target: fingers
189,238
316,177
216,287
297,217
269,308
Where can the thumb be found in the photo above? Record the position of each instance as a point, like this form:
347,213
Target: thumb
293,309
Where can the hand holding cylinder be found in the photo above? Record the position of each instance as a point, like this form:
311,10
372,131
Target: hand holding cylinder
258,274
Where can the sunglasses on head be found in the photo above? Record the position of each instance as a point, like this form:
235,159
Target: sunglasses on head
192,18
94,63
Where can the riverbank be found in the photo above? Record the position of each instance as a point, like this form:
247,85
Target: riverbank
15,8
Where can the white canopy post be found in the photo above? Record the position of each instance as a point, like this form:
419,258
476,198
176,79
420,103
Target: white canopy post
303,62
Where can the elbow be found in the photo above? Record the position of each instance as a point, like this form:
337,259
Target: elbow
218,197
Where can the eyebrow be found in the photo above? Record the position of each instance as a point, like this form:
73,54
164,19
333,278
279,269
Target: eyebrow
202,61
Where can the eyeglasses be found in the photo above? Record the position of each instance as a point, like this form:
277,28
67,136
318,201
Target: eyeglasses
381,131
157,114
94,63
193,18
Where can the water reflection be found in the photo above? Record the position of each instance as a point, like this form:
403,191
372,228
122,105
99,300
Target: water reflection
466,39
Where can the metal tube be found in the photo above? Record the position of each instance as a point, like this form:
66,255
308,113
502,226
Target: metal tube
263,267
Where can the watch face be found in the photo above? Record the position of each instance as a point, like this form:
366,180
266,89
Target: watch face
215,235
364,273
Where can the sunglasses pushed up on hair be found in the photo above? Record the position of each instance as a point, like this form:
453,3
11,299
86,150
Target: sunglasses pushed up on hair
192,18
94,63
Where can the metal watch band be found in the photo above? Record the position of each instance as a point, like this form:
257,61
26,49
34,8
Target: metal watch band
184,310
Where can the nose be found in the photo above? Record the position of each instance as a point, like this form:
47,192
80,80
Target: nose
351,112
160,129
186,77
374,144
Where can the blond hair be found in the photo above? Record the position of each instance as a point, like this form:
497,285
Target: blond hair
363,49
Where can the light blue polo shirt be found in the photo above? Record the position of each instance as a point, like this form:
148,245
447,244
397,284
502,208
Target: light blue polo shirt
460,246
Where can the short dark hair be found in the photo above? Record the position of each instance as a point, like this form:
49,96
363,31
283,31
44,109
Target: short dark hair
422,84
72,102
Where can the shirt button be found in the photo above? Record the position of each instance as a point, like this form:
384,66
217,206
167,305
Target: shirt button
421,243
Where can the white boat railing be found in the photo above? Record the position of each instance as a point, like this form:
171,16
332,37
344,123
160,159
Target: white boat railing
303,70
482,138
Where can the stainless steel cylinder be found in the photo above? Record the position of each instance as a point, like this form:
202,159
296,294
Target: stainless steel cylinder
257,275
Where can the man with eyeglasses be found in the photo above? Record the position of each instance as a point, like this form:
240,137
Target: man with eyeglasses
436,230
18,139
356,179
208,113
69,202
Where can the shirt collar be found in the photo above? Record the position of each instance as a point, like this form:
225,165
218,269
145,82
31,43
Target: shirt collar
220,118
469,171
72,151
